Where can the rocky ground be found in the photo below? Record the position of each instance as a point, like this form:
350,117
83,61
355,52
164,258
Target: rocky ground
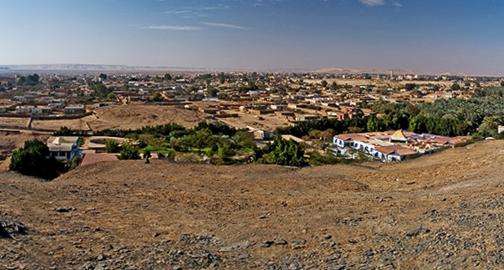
444,211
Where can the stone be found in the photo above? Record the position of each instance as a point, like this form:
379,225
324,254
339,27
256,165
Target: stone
280,242
267,243
416,232
64,209
10,228
298,244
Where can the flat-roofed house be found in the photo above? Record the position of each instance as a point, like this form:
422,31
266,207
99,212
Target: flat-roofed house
393,153
4,109
75,109
63,148
378,145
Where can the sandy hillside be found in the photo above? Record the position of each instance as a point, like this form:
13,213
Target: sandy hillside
443,211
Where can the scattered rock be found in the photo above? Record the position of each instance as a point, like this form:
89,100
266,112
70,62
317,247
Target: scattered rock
235,246
64,209
298,244
416,232
369,253
267,243
280,242
10,228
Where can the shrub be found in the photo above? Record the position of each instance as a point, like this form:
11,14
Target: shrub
490,125
317,159
244,139
287,153
224,151
65,131
129,152
112,146
216,128
168,154
74,163
33,160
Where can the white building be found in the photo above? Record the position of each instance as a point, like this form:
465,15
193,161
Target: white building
64,148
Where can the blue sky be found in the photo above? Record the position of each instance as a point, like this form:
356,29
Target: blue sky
459,36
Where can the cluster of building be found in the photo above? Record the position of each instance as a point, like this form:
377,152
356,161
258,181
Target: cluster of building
291,97
392,146
42,103
41,110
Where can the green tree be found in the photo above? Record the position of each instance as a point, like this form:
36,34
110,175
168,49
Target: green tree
410,86
129,152
489,126
212,91
111,96
244,139
224,151
222,78
112,146
286,153
30,80
34,159
100,89
157,97
372,123
334,86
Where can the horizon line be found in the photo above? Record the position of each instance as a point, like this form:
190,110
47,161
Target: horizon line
345,69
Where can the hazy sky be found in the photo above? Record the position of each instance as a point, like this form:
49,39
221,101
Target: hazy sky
421,35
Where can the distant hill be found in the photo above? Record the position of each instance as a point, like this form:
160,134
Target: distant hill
86,67
342,70
127,68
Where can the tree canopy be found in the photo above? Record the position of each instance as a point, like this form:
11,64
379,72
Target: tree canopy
33,159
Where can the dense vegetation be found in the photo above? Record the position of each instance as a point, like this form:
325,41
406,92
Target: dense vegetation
100,90
214,141
112,146
33,159
129,151
287,153
477,116
30,80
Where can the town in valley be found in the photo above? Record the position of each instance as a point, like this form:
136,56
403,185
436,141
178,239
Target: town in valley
262,105
251,134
